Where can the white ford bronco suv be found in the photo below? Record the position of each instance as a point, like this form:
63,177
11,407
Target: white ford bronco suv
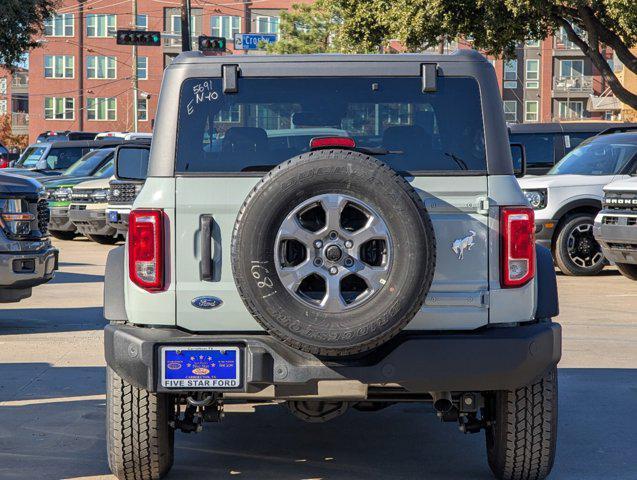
327,232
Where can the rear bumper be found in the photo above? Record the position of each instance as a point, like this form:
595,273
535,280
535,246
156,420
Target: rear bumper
619,240
92,222
24,270
117,218
489,359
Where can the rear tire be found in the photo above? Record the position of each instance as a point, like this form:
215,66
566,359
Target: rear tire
521,442
577,253
61,235
103,239
628,270
140,443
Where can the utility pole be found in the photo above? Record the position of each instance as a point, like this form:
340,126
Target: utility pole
185,26
134,67
80,65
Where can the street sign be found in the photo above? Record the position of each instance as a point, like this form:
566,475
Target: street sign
212,44
250,41
141,38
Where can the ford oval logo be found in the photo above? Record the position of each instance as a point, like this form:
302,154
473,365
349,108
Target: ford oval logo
206,303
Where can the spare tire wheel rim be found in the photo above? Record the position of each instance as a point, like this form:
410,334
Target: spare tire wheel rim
333,252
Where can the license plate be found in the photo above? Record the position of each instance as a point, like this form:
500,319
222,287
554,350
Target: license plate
200,367
113,216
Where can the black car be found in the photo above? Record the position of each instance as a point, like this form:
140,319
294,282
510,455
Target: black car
64,135
547,143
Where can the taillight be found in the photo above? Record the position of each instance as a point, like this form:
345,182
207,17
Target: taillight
517,234
146,249
332,142
4,163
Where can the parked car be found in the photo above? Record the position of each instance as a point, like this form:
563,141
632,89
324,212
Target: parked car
54,158
395,264
122,193
616,226
4,156
59,189
124,135
547,143
87,211
64,135
27,258
568,198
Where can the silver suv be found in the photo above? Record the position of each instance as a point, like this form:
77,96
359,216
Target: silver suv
328,232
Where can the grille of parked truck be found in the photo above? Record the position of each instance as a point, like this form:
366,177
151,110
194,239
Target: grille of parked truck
330,232
27,258
616,226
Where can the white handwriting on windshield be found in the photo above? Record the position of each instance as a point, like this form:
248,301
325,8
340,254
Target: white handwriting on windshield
202,92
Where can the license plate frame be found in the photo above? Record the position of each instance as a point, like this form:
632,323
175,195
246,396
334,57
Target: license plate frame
215,364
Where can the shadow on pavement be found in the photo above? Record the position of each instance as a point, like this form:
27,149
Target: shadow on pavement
15,321
69,277
65,439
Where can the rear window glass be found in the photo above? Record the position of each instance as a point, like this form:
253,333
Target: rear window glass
271,120
31,156
572,140
539,148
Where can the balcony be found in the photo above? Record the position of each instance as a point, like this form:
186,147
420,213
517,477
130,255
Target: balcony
578,86
563,47
20,123
20,82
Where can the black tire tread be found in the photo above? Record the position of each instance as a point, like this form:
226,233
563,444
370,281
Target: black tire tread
102,239
526,431
561,257
333,352
139,439
627,270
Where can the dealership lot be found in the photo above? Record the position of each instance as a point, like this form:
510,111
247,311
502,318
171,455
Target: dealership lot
52,408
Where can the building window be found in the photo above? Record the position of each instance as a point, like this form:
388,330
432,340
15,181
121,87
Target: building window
225,26
511,110
3,107
609,115
101,108
531,111
59,25
142,109
101,67
231,115
532,74
175,24
571,68
101,25
3,86
532,43
511,74
59,66
268,24
142,22
59,108
570,110
142,68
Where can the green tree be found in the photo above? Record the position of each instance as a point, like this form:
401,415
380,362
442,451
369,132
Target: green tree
497,26
20,23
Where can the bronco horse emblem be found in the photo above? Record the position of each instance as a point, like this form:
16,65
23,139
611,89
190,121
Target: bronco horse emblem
461,244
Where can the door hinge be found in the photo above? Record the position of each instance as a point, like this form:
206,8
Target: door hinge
483,205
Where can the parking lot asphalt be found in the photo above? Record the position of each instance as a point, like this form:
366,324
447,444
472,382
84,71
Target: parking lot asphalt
52,411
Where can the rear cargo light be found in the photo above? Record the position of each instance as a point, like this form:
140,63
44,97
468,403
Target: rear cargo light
332,142
517,234
146,249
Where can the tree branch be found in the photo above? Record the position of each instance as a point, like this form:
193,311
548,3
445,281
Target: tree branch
592,52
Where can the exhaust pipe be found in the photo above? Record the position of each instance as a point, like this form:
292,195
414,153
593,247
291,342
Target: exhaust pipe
442,401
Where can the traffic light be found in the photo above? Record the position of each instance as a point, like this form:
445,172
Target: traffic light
212,44
141,38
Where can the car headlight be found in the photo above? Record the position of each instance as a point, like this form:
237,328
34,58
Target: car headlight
61,194
537,198
99,195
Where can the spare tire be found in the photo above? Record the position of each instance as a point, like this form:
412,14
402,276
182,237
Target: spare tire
333,252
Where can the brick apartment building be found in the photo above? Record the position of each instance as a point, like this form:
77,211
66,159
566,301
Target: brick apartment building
80,79
14,98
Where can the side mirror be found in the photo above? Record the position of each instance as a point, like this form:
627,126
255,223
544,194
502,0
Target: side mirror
518,154
131,162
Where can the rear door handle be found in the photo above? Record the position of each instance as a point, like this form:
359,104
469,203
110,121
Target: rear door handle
206,269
